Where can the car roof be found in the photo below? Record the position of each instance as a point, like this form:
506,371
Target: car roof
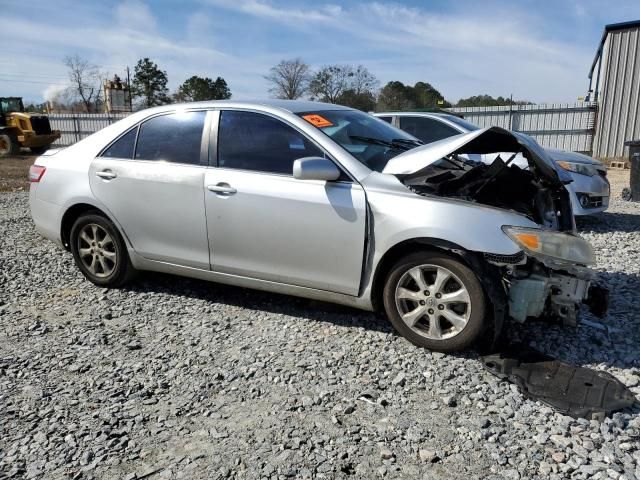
293,106
416,114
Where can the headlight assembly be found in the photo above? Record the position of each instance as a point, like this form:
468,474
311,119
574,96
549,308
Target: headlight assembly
581,168
548,243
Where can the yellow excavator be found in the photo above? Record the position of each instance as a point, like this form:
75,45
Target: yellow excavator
20,129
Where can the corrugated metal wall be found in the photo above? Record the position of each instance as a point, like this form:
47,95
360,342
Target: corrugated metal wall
619,98
76,126
567,126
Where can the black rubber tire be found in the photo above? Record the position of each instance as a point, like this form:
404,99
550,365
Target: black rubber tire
476,324
124,270
39,150
14,146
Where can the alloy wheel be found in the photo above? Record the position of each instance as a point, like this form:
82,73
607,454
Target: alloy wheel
97,250
433,302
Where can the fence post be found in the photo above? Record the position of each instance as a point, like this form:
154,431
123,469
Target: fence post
76,127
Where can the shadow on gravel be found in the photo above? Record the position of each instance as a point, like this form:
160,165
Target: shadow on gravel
623,317
258,300
609,222
564,343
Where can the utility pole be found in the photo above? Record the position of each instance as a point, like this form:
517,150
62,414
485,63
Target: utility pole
129,88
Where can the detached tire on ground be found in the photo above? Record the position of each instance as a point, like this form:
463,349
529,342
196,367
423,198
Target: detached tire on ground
435,301
99,251
8,144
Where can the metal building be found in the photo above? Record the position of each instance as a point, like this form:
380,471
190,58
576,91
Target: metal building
614,83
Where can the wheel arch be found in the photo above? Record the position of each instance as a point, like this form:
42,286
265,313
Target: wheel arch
406,247
489,275
72,214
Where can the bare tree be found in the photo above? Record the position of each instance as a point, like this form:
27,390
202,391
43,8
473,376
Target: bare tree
363,81
289,79
85,81
330,82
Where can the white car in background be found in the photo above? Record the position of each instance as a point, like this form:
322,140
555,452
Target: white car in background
589,191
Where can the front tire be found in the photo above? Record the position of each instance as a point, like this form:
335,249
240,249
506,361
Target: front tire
99,251
8,144
435,301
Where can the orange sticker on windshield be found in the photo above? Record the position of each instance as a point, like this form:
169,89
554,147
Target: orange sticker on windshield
317,120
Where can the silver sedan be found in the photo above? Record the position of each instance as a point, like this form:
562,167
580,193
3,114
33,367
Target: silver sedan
324,202
589,189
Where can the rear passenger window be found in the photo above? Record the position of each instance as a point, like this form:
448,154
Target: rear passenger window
123,147
253,141
386,119
173,138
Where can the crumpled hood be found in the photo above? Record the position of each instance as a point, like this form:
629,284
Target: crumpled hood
413,162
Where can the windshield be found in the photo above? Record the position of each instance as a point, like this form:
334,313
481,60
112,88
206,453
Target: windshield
370,140
462,123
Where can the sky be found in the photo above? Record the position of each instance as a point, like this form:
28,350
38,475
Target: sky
537,50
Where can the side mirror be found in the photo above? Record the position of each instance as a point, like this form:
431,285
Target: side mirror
315,168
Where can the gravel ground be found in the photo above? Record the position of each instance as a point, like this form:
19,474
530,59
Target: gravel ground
176,378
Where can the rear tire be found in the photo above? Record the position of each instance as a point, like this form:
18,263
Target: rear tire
39,150
435,301
100,251
8,144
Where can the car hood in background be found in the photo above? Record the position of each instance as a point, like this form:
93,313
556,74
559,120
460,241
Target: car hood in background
574,157
484,141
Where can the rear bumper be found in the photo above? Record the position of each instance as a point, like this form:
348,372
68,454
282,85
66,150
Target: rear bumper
588,194
32,140
46,216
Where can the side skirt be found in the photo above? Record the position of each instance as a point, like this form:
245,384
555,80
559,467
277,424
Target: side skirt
142,263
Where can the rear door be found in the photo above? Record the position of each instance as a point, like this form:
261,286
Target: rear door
151,180
265,224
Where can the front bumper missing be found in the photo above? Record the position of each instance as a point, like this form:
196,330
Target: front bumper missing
538,291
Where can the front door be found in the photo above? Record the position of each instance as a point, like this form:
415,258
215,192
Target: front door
265,224
154,188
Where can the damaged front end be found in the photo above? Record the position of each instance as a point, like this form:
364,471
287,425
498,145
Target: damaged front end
549,277
539,288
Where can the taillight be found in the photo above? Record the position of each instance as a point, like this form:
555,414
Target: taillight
36,172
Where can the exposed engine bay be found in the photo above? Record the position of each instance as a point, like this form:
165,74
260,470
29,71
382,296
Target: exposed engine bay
494,167
538,291
497,184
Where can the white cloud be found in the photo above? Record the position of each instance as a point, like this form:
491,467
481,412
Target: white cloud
136,16
462,53
488,49
287,15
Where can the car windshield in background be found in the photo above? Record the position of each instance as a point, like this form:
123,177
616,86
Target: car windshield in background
462,123
370,140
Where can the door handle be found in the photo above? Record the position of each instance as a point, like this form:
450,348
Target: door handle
106,174
222,189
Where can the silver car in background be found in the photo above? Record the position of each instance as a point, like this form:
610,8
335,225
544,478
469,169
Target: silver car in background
324,202
589,190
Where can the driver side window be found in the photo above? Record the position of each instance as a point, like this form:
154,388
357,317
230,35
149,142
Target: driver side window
257,142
